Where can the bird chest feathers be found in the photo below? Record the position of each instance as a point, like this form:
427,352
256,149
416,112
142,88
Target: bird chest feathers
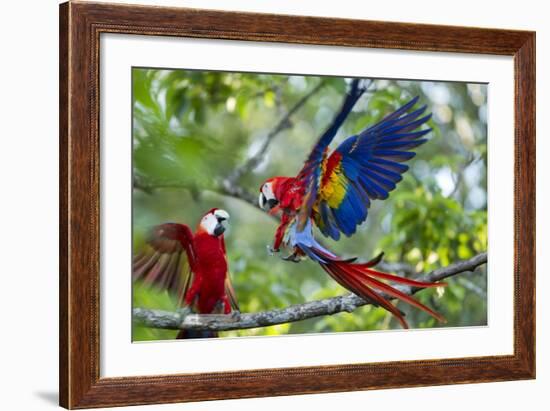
211,261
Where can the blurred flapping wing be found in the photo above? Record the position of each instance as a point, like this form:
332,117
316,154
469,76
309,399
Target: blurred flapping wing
167,259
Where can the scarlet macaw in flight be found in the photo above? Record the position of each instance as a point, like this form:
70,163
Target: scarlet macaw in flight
334,191
193,267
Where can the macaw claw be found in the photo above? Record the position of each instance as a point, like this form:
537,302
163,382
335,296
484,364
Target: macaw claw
292,258
271,251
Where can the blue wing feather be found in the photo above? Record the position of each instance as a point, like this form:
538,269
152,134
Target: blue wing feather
329,227
389,119
375,191
398,123
356,200
312,167
394,155
381,181
365,200
388,173
339,218
401,145
389,165
371,162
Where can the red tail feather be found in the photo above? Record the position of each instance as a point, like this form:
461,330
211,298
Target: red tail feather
359,278
403,280
348,279
402,296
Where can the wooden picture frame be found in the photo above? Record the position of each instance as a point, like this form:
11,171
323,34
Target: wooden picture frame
80,27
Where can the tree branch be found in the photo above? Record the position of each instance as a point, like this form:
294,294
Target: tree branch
230,190
283,124
298,312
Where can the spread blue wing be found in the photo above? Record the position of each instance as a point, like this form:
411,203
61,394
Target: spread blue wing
366,167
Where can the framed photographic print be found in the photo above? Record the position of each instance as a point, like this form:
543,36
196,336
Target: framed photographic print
250,200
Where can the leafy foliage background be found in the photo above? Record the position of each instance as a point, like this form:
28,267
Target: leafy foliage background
191,129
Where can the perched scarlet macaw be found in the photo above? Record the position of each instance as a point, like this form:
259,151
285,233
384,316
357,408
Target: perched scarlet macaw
334,192
194,267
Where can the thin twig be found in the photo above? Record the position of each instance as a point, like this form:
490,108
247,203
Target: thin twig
470,286
230,190
298,312
460,174
283,124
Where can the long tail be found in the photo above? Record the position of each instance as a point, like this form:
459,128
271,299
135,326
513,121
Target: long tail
362,280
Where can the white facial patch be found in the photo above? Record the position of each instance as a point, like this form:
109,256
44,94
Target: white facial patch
267,190
209,223
211,220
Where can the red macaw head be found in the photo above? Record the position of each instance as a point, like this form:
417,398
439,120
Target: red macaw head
271,192
212,222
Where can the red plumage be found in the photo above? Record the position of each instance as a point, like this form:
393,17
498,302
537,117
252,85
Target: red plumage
359,278
333,161
210,269
191,266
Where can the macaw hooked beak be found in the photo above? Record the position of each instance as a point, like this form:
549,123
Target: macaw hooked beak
272,203
221,217
219,230
266,204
